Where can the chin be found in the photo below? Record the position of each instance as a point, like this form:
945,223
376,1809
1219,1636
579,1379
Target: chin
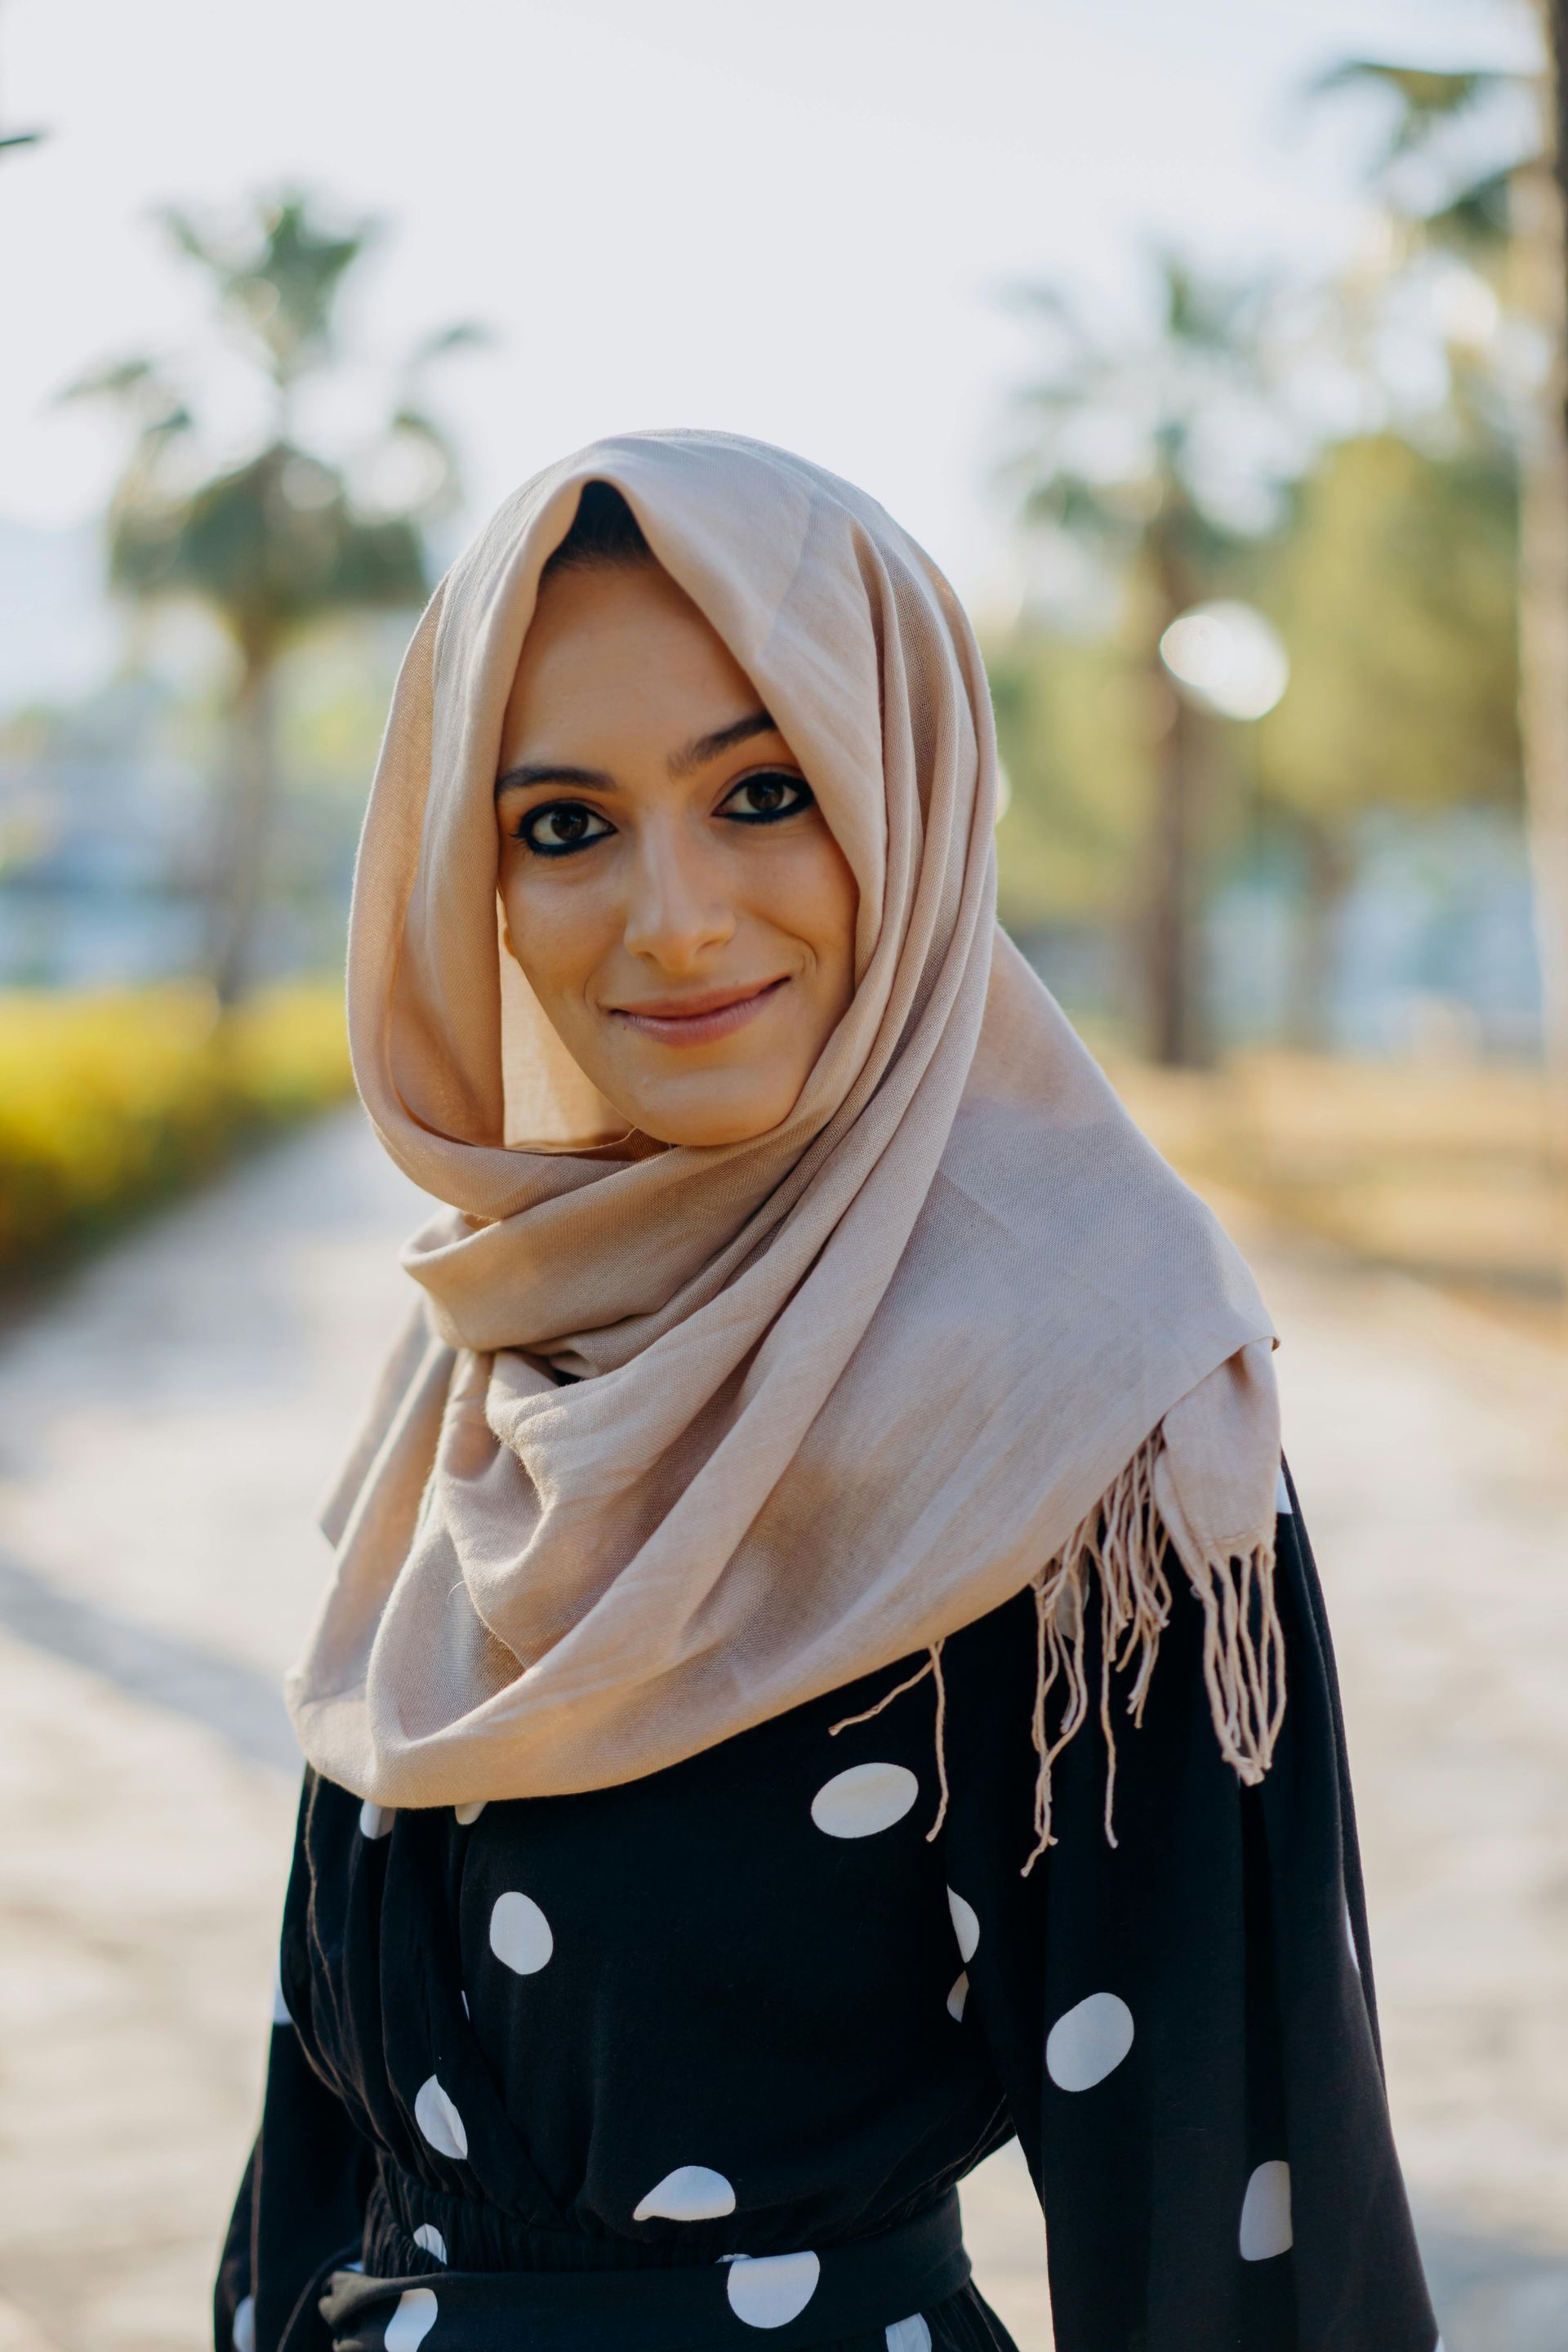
710,1126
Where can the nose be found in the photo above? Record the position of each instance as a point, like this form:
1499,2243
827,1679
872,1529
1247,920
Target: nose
678,911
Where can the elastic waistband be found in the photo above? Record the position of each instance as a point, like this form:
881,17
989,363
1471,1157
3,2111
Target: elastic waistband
796,2300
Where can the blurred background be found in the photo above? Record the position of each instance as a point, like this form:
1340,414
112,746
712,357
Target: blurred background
1217,356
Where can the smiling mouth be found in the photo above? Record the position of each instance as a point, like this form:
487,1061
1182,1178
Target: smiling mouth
698,1020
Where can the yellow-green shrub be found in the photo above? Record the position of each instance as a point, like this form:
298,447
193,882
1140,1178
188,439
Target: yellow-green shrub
111,1100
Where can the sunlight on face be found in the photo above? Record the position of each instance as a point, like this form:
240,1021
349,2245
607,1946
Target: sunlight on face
671,890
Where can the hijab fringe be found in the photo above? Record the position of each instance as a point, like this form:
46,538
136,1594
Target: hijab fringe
1124,1541
932,1666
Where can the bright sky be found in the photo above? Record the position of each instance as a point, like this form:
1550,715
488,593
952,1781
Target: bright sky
786,217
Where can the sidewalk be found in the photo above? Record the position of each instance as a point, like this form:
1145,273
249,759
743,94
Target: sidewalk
164,1433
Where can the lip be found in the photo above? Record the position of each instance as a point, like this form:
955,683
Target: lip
698,1019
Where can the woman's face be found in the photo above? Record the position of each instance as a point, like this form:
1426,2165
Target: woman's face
671,890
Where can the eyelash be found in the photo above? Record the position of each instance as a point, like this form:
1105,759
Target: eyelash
796,785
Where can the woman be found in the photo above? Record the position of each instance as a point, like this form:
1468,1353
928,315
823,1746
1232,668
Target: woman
802,1696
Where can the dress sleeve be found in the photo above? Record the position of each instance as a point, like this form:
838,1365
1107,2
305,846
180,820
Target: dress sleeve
1184,2023
299,2213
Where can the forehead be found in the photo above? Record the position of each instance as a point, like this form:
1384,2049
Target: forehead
620,655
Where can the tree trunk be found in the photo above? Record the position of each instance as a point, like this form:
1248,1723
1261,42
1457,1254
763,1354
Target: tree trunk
1171,919
1174,993
1540,202
243,830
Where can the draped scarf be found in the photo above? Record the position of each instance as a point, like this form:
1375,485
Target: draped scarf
951,1329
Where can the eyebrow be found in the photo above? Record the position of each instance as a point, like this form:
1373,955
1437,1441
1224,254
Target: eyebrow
684,763
548,772
723,738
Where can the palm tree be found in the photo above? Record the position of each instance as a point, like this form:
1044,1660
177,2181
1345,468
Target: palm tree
1506,222
275,544
14,139
1130,449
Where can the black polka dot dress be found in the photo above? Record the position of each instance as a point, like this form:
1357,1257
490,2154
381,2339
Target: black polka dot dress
698,2061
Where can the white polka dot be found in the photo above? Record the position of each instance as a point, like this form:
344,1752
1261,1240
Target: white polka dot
1266,2213
439,2121
966,1925
280,2006
958,1996
692,2192
866,1799
412,2321
244,2330
374,1821
770,2290
467,1814
1282,1494
1088,2042
429,2241
520,1934
907,2334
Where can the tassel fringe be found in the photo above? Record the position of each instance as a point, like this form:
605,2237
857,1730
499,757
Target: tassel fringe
1122,1539
1120,1542
932,1666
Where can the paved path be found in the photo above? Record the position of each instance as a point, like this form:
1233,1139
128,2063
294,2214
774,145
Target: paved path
163,1432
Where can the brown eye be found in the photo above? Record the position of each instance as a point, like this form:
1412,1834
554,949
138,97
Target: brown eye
764,798
560,827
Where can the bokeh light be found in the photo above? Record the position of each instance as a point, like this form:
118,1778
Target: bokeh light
1229,657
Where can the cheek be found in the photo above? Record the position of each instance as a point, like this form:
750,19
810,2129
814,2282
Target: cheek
818,900
556,931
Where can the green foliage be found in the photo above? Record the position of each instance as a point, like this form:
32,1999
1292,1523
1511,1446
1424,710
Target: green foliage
1075,717
333,711
273,544
1394,593
278,279
1166,401
1066,725
1424,172
1160,453
111,1101
1391,582
279,543
1426,99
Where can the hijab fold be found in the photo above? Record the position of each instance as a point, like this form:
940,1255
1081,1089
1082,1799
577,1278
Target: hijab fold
838,1390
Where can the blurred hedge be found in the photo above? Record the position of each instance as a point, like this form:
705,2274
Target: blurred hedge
111,1101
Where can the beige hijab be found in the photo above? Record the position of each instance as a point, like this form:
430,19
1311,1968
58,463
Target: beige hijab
952,1330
